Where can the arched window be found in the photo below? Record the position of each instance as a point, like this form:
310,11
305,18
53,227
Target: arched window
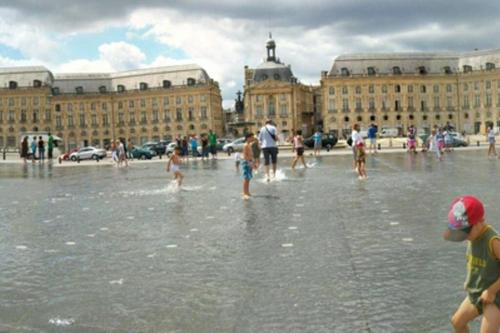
55,91
386,117
344,71
12,84
346,119
359,118
447,70
371,71
422,70
438,117
396,70
398,117
37,83
467,68
191,127
411,117
102,89
466,115
79,90
424,117
167,84
191,81
143,86
490,66
450,116
120,88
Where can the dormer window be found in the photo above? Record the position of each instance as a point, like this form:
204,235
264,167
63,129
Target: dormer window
396,70
191,81
55,91
344,71
143,86
490,66
467,68
79,90
371,71
167,84
37,83
102,89
422,70
120,88
447,70
12,84
264,77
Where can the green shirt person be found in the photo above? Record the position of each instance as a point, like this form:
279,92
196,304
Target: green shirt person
212,142
50,145
466,221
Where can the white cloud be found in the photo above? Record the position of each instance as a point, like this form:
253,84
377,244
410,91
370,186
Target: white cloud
30,40
121,55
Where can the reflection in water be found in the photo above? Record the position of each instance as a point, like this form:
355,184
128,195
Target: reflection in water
204,260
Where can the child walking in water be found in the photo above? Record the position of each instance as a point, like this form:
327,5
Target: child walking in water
246,165
298,146
466,221
173,165
361,160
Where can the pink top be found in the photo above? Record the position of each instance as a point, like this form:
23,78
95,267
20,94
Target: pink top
298,142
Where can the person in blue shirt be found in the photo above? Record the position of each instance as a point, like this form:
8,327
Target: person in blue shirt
194,146
317,143
372,137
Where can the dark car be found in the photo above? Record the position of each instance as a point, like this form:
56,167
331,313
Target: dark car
158,147
143,153
328,141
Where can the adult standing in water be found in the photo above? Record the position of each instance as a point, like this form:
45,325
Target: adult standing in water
34,144
212,142
268,138
355,137
24,149
50,146
41,149
372,137
317,143
492,152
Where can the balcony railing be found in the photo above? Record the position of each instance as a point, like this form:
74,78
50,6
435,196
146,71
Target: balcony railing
345,110
411,109
450,108
359,109
437,109
371,109
332,111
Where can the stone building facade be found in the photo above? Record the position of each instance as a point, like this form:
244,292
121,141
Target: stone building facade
93,109
271,91
423,89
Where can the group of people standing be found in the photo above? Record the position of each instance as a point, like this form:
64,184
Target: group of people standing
119,153
208,143
37,148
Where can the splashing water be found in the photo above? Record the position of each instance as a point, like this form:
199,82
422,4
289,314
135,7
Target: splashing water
61,322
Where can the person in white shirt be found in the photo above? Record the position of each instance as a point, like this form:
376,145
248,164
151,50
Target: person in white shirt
268,138
356,138
492,152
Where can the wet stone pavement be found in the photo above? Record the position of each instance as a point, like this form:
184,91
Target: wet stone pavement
101,249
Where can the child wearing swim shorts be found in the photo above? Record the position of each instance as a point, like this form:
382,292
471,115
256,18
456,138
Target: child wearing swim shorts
466,221
246,165
174,166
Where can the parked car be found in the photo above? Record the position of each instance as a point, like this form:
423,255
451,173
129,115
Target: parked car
458,140
222,142
328,141
143,153
236,145
158,147
67,154
88,153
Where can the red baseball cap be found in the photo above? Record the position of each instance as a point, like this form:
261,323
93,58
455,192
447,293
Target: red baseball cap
465,211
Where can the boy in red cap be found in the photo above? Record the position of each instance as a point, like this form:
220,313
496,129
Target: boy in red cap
466,221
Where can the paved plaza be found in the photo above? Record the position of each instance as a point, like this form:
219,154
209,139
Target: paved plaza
122,250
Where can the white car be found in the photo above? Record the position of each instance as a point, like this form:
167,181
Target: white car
236,145
88,153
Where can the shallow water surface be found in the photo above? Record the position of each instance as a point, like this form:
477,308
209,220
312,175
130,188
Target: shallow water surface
100,249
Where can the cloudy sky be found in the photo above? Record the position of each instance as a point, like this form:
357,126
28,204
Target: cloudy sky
224,35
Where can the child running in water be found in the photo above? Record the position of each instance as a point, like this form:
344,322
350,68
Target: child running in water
412,140
298,145
466,222
237,160
361,160
174,166
246,165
